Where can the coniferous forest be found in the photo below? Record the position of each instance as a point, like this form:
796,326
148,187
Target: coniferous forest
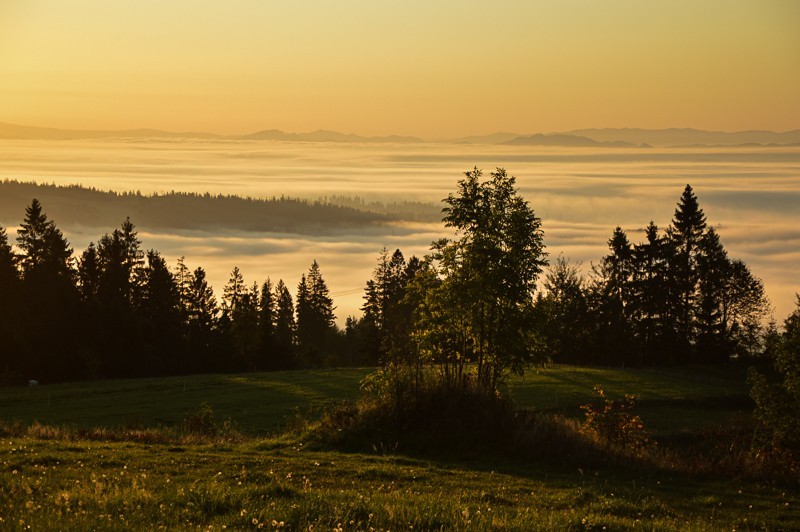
116,310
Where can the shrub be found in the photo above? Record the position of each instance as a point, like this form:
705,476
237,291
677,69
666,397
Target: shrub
434,416
200,422
614,421
778,399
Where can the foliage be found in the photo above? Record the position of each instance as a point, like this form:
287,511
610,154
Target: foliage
201,421
614,421
479,306
673,298
778,399
315,318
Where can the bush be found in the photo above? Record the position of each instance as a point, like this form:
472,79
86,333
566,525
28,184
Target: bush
614,421
427,414
778,399
200,422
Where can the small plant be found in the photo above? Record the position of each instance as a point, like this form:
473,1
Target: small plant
201,421
614,421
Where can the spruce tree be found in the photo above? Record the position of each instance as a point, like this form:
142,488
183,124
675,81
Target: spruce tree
160,314
49,299
10,339
613,290
202,313
650,296
713,272
315,318
117,340
688,225
267,310
284,327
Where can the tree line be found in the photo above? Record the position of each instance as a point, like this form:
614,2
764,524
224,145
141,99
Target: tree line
473,308
479,306
120,311
189,211
676,297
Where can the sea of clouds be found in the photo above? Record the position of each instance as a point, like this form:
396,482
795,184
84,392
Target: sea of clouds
750,194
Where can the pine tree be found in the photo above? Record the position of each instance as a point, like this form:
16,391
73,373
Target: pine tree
233,292
713,272
284,327
612,302
49,299
117,338
688,225
202,323
562,314
650,295
161,317
315,318
45,251
10,339
267,311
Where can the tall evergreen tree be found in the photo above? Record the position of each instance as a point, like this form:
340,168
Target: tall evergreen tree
267,313
613,302
161,316
685,233
49,299
713,272
202,332
117,339
566,328
240,322
650,296
10,339
315,318
284,327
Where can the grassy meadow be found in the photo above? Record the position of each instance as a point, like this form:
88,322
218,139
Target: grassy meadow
141,472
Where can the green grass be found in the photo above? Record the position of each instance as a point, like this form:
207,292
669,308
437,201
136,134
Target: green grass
669,400
258,402
54,480
261,402
91,485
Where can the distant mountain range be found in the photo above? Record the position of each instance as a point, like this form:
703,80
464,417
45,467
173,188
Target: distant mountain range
561,139
599,138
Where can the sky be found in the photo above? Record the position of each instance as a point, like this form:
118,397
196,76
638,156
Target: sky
433,69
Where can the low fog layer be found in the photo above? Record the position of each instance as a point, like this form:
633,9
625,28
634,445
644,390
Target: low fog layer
752,196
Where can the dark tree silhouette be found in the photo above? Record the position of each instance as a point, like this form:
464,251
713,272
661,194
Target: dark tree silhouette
284,327
315,318
650,296
267,314
488,272
49,299
11,344
202,328
160,315
685,233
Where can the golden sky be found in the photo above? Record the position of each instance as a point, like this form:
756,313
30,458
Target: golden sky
433,68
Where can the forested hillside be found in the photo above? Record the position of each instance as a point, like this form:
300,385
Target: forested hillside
75,205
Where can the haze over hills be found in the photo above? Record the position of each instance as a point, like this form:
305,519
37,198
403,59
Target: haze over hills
596,137
689,136
558,139
77,205
14,131
322,135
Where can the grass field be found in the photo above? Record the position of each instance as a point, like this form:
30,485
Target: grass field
259,403
51,480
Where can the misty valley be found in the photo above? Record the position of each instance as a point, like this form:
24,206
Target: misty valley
454,349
